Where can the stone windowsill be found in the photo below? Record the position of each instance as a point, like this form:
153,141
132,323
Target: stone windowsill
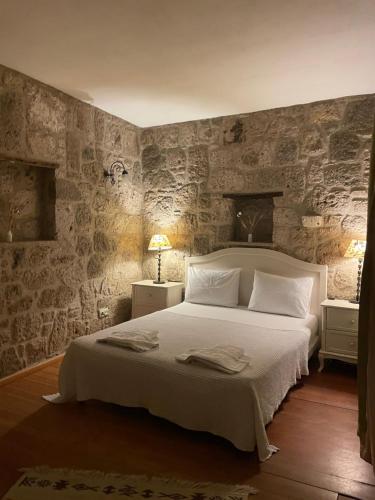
28,243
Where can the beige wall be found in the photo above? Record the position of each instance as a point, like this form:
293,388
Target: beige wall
317,154
50,291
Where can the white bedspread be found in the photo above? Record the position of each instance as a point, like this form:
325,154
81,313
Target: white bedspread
236,407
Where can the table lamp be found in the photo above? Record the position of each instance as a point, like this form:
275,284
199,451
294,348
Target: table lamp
356,250
158,243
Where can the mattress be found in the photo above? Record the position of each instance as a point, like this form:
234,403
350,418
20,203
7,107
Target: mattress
236,407
310,324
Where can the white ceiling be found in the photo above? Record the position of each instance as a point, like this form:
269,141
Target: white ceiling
163,61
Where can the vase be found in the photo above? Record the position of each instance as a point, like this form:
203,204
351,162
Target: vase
9,236
250,238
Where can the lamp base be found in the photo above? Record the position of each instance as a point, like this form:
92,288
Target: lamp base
159,282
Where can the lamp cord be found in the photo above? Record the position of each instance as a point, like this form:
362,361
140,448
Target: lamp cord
359,276
159,265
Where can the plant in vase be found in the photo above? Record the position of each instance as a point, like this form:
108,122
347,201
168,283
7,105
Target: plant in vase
249,222
16,207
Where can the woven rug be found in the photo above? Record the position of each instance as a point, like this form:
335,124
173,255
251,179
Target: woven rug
43,483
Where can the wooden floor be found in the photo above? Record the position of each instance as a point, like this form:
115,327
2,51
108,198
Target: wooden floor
315,429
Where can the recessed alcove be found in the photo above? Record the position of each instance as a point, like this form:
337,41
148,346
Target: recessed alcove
27,200
253,215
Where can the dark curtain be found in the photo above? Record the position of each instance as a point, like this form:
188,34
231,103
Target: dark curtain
366,334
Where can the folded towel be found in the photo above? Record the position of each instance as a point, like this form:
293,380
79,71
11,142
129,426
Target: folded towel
225,358
137,340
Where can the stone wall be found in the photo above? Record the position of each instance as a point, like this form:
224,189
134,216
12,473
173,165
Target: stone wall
50,291
317,154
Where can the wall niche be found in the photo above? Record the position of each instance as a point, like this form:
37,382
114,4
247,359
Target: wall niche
27,201
253,219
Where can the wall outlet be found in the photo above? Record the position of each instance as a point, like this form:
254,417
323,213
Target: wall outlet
103,312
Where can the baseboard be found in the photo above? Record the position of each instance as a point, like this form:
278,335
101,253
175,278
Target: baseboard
30,369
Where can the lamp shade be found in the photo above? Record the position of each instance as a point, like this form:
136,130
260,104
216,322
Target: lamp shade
356,249
159,242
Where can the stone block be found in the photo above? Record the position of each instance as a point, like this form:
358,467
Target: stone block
208,133
286,151
13,293
286,217
59,297
12,124
37,279
359,115
5,336
233,131
73,152
67,190
187,196
167,136
88,302
9,362
331,251
312,142
315,172
35,351
295,178
71,276
176,162
342,174
312,221
187,134
57,338
355,226
324,202
343,146
20,305
103,244
360,206
147,137
327,112
198,166
84,246
45,110
95,266
83,216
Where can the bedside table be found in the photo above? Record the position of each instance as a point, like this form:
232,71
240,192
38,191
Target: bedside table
148,297
339,332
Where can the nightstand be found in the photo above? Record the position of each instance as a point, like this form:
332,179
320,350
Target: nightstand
148,297
339,332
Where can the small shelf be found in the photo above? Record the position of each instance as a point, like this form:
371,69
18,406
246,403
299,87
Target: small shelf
28,163
253,196
255,244
28,243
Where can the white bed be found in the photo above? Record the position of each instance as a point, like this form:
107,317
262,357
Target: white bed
236,407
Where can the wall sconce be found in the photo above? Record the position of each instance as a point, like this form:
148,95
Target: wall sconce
118,168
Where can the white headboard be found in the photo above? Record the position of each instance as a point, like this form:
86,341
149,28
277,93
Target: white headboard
269,261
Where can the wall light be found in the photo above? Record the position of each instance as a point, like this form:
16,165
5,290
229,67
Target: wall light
115,170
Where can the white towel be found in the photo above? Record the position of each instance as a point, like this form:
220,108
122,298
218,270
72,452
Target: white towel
225,358
137,340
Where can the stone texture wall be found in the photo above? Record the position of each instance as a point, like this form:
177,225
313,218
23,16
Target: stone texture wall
50,291
317,154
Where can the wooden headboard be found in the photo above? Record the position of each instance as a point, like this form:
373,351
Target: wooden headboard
269,261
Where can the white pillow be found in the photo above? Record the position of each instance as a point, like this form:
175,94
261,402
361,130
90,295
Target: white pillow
279,295
218,287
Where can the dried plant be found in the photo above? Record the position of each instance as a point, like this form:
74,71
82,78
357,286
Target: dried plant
249,221
16,207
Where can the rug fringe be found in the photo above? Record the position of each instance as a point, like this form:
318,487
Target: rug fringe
235,489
